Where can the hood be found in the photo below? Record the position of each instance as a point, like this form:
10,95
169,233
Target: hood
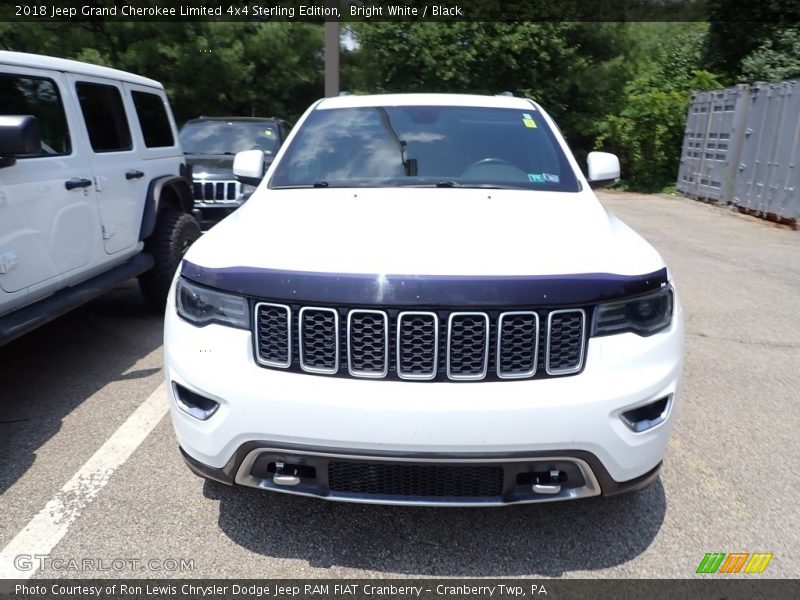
424,231
213,165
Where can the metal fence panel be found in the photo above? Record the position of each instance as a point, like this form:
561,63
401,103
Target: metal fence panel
712,142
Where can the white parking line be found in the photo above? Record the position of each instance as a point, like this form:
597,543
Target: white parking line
47,528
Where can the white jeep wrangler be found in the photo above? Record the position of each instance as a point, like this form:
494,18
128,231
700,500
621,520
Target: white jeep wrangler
93,188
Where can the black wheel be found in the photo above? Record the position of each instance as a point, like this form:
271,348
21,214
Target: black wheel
175,231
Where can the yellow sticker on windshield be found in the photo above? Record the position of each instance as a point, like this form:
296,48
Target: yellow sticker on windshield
268,132
529,123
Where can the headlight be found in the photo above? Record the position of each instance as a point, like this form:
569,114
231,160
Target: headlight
201,306
644,315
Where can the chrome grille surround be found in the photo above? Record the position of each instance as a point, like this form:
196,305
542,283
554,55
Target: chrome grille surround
427,374
352,332
503,343
457,344
420,345
276,328
317,339
558,317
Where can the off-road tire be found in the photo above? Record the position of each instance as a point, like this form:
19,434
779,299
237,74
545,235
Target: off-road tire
174,232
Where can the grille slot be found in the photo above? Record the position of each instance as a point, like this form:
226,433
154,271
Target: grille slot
517,344
318,335
418,481
565,341
228,192
273,334
467,345
367,343
417,345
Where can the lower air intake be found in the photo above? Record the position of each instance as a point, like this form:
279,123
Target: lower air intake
418,481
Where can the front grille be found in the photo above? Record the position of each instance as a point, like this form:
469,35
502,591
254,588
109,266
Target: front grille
420,481
421,345
214,192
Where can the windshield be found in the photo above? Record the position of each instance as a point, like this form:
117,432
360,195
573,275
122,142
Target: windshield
228,137
443,146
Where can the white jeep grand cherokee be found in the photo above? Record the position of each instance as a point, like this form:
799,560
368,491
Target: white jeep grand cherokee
424,303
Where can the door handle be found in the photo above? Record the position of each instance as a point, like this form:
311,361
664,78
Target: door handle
134,175
77,182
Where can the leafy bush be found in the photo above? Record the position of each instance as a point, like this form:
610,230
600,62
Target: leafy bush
647,132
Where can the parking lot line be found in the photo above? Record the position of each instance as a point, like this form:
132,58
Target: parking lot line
49,526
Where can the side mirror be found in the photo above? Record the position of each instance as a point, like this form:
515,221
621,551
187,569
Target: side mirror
248,166
19,135
603,169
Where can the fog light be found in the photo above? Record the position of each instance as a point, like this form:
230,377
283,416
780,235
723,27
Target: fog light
648,416
194,404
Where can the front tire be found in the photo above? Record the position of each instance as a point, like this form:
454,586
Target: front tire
174,232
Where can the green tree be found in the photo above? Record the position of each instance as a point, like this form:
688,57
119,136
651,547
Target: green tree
573,69
212,68
776,58
739,29
648,131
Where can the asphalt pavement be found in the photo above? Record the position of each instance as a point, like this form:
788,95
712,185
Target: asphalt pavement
729,483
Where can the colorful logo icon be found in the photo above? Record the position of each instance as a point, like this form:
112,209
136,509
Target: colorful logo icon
735,562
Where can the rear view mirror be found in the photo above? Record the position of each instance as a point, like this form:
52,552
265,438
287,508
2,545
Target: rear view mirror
19,135
248,166
603,169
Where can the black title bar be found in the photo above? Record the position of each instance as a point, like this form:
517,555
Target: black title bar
402,10
710,586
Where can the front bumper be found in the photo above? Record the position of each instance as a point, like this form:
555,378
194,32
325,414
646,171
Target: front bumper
517,423
583,475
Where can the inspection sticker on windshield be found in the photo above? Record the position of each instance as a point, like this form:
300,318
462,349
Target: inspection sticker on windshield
543,178
528,121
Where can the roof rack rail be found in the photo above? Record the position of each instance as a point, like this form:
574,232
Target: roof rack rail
506,93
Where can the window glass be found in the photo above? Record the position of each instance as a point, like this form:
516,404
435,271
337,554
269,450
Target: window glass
153,119
426,145
38,97
218,136
104,115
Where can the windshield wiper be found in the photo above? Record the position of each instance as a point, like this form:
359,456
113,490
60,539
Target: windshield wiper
211,153
448,184
301,186
410,167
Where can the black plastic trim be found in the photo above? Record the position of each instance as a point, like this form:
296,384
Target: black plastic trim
152,204
35,315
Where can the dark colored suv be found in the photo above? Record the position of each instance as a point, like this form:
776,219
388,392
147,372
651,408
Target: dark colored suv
210,144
